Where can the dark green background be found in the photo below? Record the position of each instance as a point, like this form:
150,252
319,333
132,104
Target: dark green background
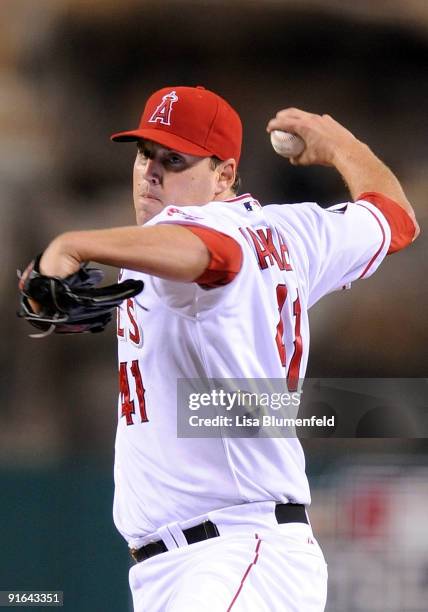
57,533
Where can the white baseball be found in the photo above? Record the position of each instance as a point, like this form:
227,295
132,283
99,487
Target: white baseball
287,144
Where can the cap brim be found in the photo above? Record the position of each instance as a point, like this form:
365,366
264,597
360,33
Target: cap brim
163,138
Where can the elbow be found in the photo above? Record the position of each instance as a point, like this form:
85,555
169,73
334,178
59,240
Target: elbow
417,229
404,233
400,241
400,216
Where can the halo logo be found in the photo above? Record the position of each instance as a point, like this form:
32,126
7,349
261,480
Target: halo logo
163,110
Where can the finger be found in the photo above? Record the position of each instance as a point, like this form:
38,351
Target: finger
296,114
25,275
286,125
294,121
299,160
35,306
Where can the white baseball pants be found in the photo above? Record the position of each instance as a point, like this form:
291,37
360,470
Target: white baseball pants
280,568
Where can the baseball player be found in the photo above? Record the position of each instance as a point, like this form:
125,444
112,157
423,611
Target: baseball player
221,523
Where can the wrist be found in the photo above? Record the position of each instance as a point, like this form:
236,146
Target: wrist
357,153
61,257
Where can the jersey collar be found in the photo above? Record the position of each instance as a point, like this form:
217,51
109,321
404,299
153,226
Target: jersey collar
241,199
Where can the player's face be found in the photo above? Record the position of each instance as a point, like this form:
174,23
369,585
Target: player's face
163,176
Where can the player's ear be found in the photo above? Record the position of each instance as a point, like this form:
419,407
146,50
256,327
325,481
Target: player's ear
226,175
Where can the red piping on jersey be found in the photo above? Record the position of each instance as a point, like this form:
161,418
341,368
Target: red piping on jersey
247,571
244,195
369,265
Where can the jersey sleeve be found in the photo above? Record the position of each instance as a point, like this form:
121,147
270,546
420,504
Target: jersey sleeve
225,257
225,251
401,225
224,242
337,245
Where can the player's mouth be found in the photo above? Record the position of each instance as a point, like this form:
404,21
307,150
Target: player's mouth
149,196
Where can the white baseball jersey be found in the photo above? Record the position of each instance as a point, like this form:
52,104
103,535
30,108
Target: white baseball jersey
254,327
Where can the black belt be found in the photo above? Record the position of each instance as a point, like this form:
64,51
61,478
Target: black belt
284,513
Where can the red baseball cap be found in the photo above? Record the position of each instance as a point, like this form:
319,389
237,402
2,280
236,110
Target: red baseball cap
190,120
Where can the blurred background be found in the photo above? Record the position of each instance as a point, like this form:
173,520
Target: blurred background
71,73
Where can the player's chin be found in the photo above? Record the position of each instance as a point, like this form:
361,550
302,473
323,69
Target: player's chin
147,207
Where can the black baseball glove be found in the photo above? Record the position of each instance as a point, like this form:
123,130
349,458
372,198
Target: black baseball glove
72,305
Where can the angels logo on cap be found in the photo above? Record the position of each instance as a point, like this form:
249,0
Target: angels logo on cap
163,110
191,120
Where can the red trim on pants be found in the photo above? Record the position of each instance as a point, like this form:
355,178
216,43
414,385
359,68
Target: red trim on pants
247,571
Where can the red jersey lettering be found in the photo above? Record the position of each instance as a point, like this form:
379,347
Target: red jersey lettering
134,332
266,251
120,329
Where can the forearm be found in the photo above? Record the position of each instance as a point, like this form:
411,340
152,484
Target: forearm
364,172
170,252
329,143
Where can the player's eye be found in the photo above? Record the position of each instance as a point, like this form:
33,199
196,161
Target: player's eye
174,160
143,150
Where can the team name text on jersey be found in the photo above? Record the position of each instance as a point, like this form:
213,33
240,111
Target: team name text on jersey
269,246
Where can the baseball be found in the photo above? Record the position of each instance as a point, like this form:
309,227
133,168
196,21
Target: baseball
287,144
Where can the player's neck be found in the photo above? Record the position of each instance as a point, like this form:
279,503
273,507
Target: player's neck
227,194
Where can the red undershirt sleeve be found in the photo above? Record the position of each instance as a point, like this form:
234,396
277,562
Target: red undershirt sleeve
402,226
225,257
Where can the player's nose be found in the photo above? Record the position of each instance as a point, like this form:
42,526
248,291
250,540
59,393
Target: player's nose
151,171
